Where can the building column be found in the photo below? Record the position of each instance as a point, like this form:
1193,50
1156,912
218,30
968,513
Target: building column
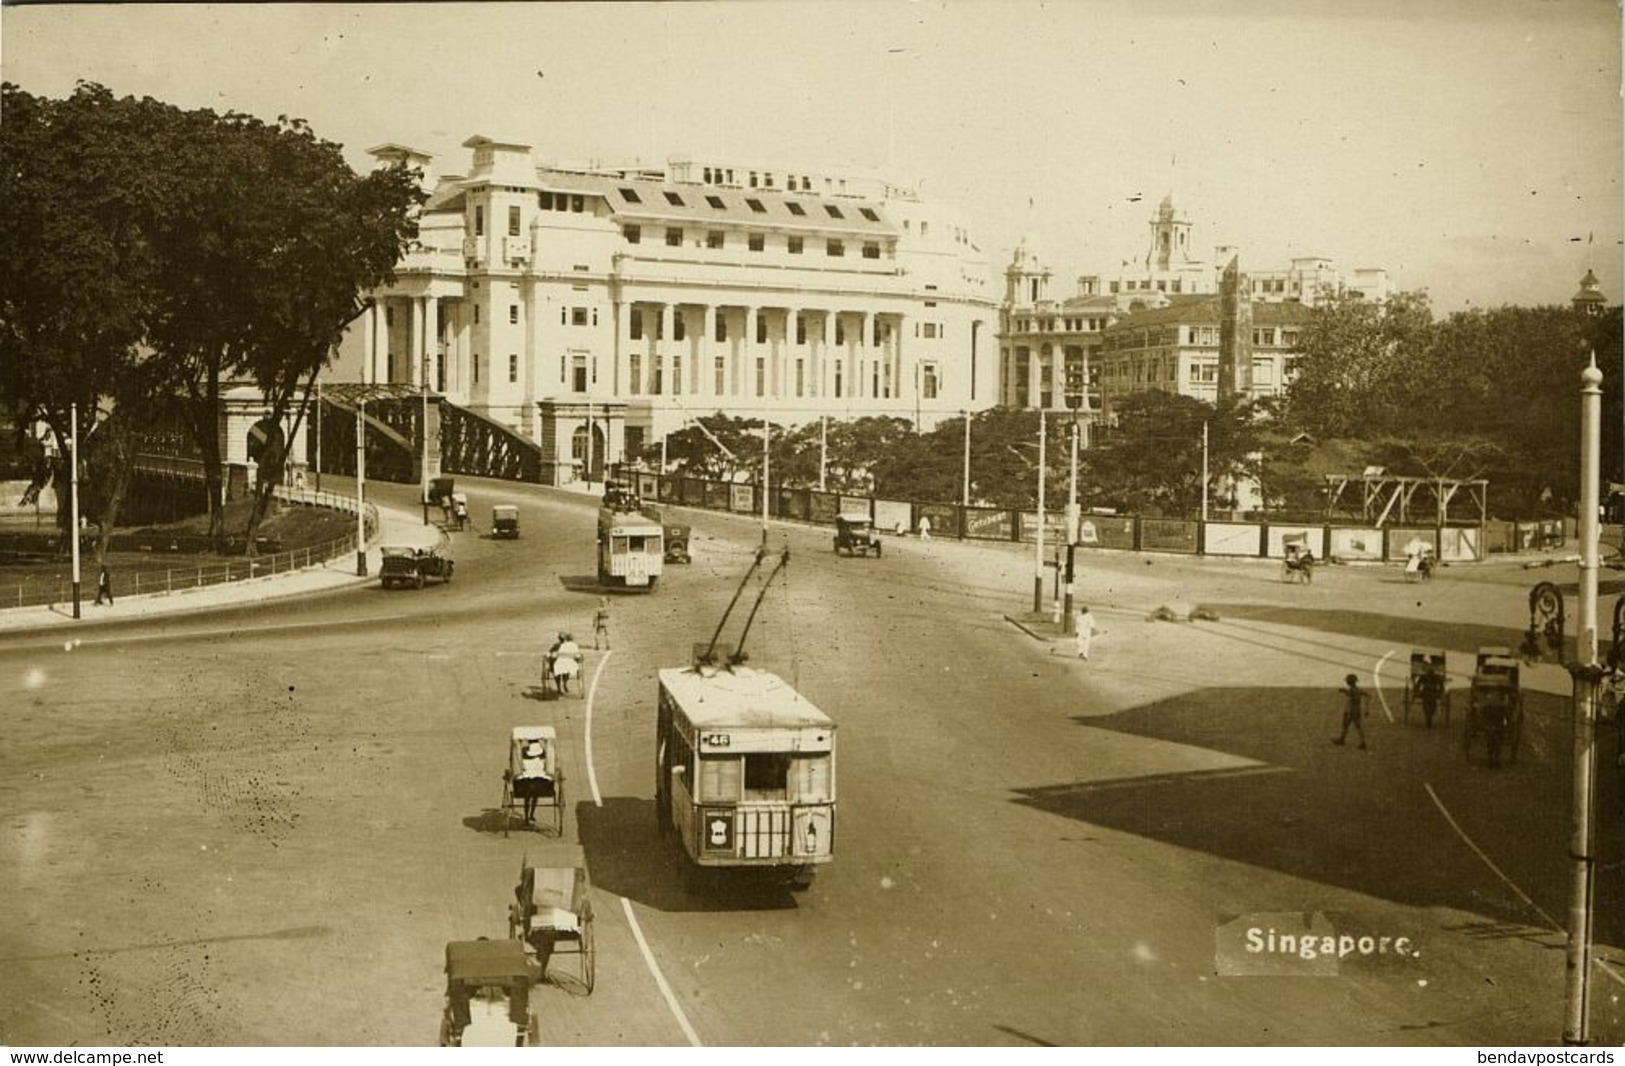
369,343
1035,395
746,384
381,370
705,385
414,343
431,342
664,345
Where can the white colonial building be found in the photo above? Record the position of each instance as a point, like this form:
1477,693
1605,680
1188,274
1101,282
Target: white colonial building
605,306
1153,323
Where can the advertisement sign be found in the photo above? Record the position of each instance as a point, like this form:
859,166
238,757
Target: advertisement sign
1361,544
987,524
1232,538
1166,535
892,515
825,506
742,498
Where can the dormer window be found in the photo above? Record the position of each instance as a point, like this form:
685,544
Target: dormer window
673,199
834,212
631,196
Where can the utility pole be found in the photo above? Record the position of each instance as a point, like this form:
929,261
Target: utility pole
588,471
1071,527
73,435
424,432
1587,673
360,481
1204,471
823,448
964,492
1038,560
766,441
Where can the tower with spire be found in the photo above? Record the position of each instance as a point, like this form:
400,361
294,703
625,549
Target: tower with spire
1589,300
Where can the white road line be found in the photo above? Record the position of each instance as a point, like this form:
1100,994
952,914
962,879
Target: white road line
660,978
592,695
1376,683
1488,862
626,904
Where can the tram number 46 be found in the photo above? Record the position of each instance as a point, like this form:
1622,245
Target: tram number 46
714,740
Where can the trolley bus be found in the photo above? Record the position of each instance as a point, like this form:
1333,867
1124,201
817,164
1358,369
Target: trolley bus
745,771
631,549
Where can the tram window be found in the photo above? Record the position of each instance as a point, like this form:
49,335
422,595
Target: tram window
809,779
767,775
636,544
719,779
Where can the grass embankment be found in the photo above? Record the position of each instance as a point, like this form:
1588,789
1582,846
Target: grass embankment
33,570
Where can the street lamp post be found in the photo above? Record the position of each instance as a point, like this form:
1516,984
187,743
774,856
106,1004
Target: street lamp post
1587,673
1038,559
360,492
964,491
73,432
1072,517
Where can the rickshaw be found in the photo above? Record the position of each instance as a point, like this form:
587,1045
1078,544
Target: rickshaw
856,535
560,666
1494,705
440,491
677,536
488,985
459,510
533,778
505,521
1299,563
552,912
1419,561
1428,683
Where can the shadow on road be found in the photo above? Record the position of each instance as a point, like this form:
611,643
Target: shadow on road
1364,821
630,858
1457,636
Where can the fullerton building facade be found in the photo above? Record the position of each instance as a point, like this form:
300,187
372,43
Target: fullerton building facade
595,309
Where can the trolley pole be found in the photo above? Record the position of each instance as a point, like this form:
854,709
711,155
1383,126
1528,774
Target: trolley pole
1587,673
1204,471
360,492
424,432
73,433
766,441
1038,555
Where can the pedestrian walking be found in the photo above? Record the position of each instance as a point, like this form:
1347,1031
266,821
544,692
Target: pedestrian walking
600,623
104,587
1354,700
1084,630
925,527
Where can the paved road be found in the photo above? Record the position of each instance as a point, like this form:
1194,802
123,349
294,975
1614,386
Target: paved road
261,826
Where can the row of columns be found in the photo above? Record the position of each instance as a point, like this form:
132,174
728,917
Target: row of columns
861,375
1057,373
425,362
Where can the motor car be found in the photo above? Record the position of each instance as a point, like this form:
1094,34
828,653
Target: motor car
856,535
414,566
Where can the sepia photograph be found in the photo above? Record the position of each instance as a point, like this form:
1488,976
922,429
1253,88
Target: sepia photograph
809,523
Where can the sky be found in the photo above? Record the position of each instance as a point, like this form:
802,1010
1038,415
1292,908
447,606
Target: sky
1471,147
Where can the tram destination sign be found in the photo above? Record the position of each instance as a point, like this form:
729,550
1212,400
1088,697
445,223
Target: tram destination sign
745,741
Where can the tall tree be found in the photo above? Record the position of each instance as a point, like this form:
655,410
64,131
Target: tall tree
1359,365
79,192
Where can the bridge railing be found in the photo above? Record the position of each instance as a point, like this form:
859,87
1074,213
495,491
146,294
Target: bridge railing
159,578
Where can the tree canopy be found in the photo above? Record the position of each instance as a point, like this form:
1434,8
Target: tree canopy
159,253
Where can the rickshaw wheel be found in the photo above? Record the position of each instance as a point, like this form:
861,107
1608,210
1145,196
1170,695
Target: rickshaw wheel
589,951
